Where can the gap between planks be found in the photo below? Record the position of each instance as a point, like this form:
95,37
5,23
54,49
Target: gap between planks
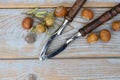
33,5
105,69
75,58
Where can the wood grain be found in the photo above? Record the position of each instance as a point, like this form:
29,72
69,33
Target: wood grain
80,61
13,44
52,3
70,69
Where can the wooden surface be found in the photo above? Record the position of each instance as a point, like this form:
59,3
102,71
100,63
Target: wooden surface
80,61
53,3
64,69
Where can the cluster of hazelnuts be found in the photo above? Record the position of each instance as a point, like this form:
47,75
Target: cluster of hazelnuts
48,19
88,14
104,34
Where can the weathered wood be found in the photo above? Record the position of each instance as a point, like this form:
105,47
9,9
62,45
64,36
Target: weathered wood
13,44
25,67
69,69
53,3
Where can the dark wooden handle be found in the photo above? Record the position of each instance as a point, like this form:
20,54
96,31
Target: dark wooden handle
103,18
74,10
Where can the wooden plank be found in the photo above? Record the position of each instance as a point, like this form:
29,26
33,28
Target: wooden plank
53,3
13,44
69,69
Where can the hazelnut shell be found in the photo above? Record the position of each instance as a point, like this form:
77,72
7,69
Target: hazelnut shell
116,25
49,22
105,35
40,28
92,38
60,11
27,23
87,14
30,38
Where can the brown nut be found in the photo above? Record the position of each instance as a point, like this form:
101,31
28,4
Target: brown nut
87,14
92,38
116,25
105,35
27,23
60,11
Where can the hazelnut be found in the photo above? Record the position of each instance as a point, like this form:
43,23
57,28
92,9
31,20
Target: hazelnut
105,35
116,25
27,23
87,14
40,28
49,21
30,38
92,38
60,11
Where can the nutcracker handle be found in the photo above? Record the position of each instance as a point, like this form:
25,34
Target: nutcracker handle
74,10
100,20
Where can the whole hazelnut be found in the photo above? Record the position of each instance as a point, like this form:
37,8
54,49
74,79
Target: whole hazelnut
92,38
87,14
105,35
27,23
116,25
60,11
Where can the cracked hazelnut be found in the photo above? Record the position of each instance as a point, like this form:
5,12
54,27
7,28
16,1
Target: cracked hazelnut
49,20
40,28
87,14
60,11
30,38
92,38
105,35
116,25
